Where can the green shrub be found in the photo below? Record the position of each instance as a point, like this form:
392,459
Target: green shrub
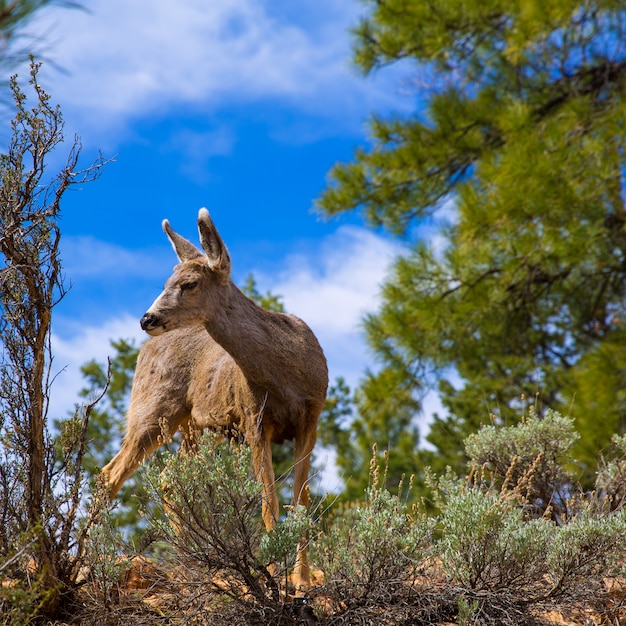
105,555
211,503
373,547
611,476
531,457
485,542
508,569
586,550
212,520
371,554
486,558
509,565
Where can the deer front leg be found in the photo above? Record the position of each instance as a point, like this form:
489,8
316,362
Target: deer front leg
126,462
143,437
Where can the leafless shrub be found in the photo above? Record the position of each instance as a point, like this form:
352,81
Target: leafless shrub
41,480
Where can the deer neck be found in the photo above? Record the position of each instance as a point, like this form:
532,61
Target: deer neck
248,333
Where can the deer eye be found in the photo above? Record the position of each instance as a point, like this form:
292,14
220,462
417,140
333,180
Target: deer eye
188,286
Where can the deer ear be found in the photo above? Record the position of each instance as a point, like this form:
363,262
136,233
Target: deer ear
185,250
214,248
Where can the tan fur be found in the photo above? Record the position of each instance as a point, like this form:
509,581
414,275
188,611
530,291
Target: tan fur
218,361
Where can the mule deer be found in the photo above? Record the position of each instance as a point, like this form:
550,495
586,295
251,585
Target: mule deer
217,360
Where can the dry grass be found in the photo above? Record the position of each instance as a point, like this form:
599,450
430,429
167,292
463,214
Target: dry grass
148,595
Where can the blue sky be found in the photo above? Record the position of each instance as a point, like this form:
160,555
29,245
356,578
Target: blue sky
241,106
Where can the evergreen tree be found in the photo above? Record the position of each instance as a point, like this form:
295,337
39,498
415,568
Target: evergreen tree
17,44
517,139
269,301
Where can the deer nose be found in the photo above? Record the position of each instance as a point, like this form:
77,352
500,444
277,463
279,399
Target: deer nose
149,321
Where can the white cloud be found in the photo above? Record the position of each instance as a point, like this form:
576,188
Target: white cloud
197,147
337,286
124,60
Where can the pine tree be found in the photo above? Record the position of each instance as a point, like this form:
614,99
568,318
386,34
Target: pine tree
514,155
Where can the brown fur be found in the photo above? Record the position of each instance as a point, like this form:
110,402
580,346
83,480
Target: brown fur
218,361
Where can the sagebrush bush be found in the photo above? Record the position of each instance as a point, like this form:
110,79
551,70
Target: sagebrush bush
211,501
586,550
277,546
611,476
105,553
373,547
224,559
512,567
530,457
485,558
485,542
372,554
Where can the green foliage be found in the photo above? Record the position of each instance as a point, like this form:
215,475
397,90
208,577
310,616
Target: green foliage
512,161
278,545
337,415
484,558
584,551
118,377
343,428
106,424
514,566
530,456
502,561
22,602
603,364
211,500
269,301
518,532
611,474
486,543
373,546
335,429
106,566
212,506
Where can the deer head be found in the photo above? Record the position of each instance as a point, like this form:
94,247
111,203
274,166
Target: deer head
194,290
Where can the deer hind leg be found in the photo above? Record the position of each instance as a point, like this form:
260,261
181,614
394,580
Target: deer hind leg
261,449
304,444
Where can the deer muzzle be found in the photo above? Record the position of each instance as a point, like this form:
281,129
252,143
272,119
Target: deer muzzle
152,324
